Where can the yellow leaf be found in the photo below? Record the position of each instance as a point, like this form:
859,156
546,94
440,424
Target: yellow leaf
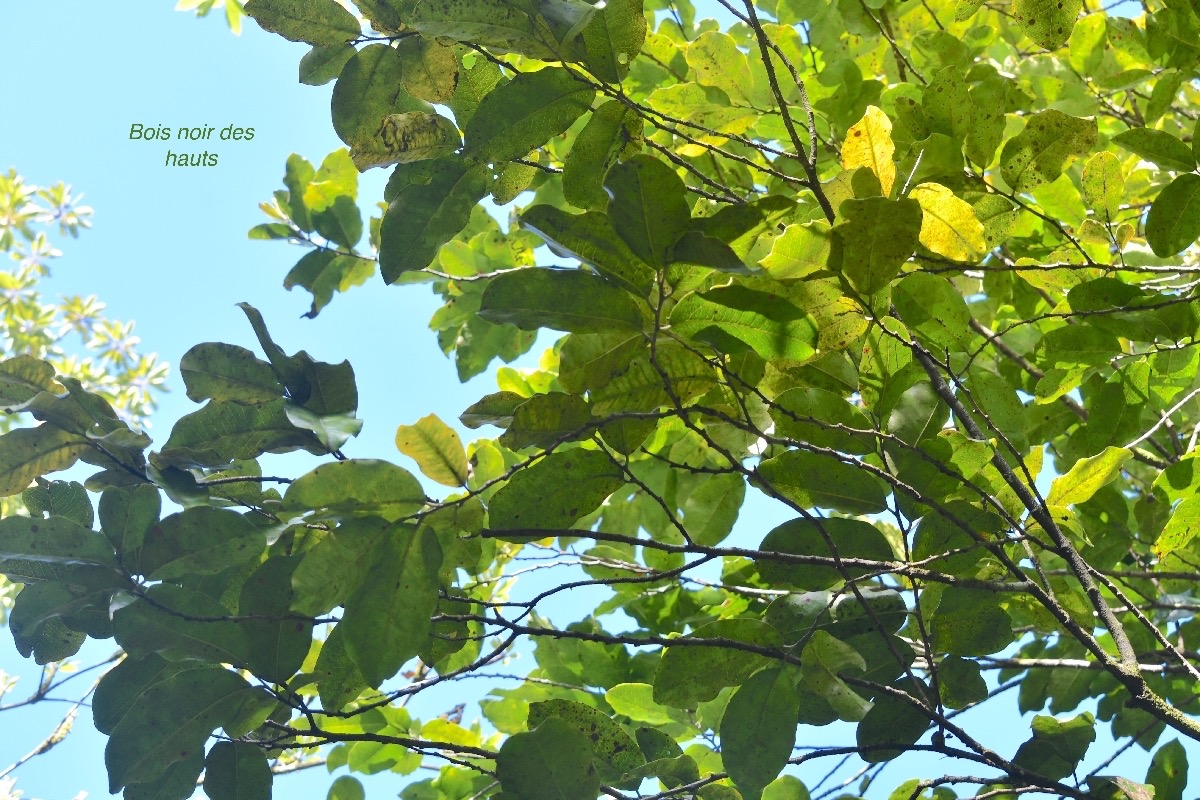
949,226
436,448
869,144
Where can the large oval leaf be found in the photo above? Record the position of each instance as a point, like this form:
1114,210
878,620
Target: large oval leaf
565,300
1173,223
525,113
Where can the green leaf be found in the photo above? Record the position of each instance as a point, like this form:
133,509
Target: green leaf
647,207
387,621
831,538
823,661
1049,141
56,540
331,430
817,480
716,61
800,251
198,541
1077,346
1181,528
555,491
424,216
614,751
48,618
181,624
525,113
758,730
545,420
785,787
636,701
1168,772
946,101
369,88
960,683
356,487
553,762
338,678
590,238
121,689
177,782
237,770
691,673
28,453
1158,146
322,273
932,308
336,181
333,569
223,432
565,300
493,409
346,787
743,226
1119,788
1173,223
227,372
171,723
22,378
1048,23
823,419
611,131
588,361
1087,476
734,317
712,508
970,622
324,63
877,236
319,22
544,29
1057,746
893,720
613,38
436,448
281,641
59,499
430,69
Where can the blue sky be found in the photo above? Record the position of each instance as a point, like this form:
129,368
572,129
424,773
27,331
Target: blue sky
169,250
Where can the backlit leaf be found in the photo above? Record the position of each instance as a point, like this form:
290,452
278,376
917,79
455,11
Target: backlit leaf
869,144
949,226
1173,223
1050,140
436,448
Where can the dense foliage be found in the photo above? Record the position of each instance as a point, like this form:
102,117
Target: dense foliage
918,273
75,336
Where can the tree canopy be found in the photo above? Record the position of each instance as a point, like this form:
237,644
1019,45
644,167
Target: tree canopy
917,275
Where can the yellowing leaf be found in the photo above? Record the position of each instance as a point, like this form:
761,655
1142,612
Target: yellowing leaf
407,137
1040,152
1103,185
1087,476
436,448
1049,23
949,226
869,144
